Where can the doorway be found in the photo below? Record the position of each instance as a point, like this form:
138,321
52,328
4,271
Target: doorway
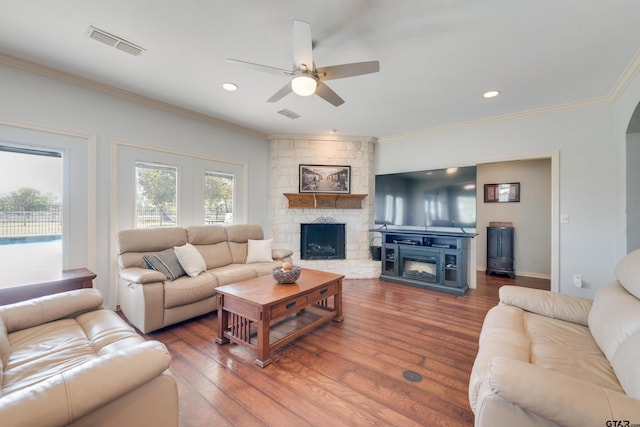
533,216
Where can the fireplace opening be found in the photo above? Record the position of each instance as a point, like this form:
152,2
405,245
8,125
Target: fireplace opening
322,241
423,268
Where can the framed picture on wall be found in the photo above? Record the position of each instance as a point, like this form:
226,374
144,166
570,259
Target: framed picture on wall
499,193
325,179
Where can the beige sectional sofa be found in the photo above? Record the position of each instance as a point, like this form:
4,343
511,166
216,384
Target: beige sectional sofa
548,359
66,361
151,300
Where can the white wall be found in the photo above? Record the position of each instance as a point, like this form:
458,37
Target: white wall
589,140
43,102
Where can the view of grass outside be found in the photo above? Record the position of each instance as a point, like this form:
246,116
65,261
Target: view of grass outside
218,197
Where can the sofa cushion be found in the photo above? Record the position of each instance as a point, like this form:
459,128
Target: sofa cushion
166,262
551,304
259,251
133,244
264,268
215,254
614,321
570,349
190,259
5,347
238,235
628,273
46,350
25,314
206,234
187,290
232,273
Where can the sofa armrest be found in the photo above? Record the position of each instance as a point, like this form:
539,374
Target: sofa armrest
559,398
546,303
70,395
36,311
281,254
141,275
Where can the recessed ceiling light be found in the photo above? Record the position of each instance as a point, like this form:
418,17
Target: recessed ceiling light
231,87
491,94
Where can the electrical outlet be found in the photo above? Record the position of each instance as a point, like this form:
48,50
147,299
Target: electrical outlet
577,280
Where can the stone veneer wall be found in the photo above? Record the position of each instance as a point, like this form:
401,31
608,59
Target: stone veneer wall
286,156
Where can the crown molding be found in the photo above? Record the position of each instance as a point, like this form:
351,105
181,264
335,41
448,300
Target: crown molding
319,138
66,77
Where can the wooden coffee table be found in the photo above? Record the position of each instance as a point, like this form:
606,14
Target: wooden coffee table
261,314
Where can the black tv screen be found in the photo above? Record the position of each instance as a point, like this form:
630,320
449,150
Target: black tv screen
434,198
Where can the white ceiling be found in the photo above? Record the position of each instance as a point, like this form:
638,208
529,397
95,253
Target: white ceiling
436,57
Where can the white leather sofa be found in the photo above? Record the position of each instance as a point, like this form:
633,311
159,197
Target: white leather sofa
548,359
232,253
66,361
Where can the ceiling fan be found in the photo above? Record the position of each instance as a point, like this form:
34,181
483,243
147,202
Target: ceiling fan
307,79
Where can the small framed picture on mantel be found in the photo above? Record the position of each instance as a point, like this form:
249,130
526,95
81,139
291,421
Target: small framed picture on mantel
325,179
500,193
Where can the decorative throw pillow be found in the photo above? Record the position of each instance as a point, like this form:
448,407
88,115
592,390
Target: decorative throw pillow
259,251
166,262
190,259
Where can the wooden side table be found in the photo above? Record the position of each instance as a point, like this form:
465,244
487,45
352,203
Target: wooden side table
67,280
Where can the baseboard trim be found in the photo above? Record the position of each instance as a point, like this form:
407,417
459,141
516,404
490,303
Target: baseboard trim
545,276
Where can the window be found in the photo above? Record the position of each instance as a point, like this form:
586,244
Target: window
156,195
203,191
30,213
218,197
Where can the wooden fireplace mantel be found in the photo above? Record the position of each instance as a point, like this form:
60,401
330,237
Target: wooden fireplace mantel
324,200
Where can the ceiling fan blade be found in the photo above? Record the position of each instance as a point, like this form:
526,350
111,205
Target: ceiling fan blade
302,45
326,93
259,67
285,90
348,70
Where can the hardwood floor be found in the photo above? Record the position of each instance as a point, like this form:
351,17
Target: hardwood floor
343,374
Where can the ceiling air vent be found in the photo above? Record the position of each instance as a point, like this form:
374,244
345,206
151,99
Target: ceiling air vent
289,113
114,41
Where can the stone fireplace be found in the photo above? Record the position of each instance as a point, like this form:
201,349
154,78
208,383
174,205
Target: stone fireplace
286,155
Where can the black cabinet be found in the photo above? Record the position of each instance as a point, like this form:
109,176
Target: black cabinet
500,251
429,260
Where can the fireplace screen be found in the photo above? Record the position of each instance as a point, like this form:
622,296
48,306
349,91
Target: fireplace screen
420,268
322,241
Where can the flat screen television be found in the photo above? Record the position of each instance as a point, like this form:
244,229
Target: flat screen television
430,198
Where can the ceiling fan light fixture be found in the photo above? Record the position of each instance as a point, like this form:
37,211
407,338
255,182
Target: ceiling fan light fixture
228,86
304,85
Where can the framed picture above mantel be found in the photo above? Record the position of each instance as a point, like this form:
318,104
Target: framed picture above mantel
501,193
325,179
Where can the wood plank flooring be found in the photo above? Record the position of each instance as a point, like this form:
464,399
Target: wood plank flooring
343,374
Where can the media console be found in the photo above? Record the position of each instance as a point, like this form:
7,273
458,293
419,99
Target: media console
429,260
